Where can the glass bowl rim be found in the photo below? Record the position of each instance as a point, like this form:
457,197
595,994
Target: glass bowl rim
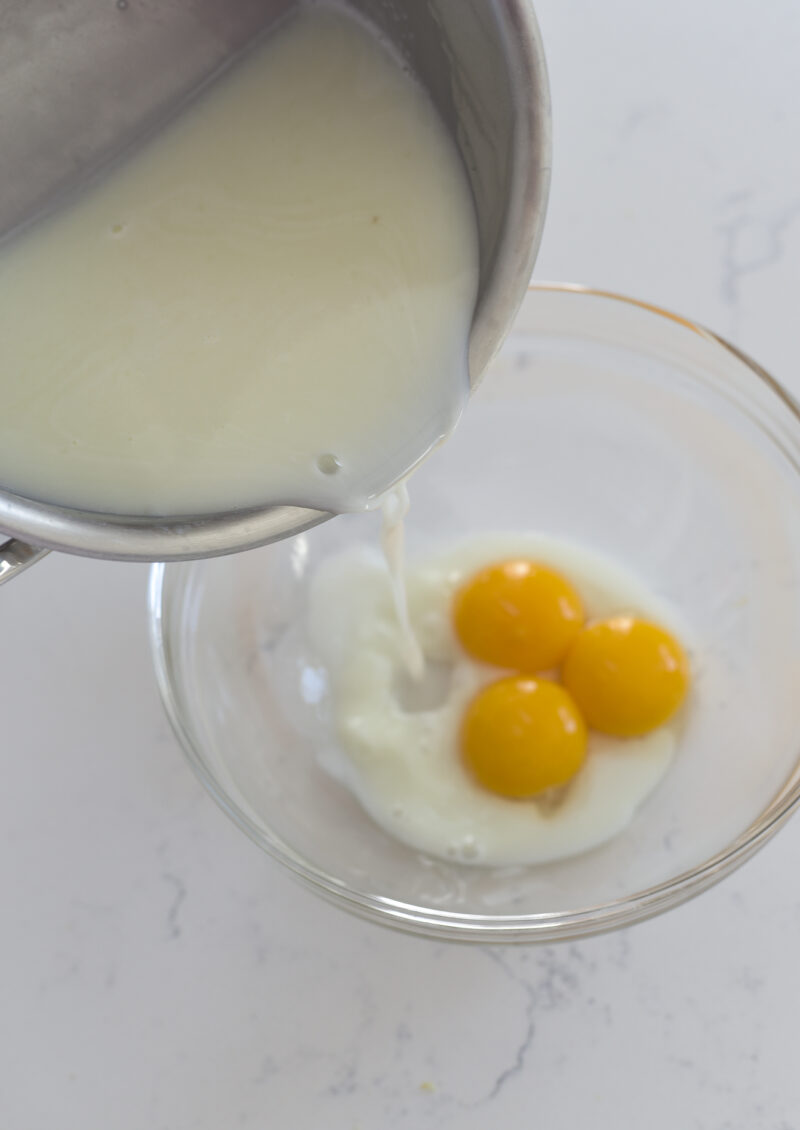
446,925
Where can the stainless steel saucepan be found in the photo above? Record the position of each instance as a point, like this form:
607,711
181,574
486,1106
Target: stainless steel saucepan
83,81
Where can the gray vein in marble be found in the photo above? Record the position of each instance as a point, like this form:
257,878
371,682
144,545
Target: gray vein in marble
345,1081
749,980
179,887
737,263
550,979
268,1070
642,118
517,1065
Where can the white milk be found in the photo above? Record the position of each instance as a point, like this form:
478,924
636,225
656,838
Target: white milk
279,285
394,507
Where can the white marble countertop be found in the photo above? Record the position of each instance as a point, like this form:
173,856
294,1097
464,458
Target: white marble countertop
158,972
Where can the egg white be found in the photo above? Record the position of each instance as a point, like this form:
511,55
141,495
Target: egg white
398,744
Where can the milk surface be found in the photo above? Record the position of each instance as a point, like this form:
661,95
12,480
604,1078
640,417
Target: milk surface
269,302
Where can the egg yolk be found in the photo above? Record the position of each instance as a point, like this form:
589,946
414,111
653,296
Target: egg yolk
518,615
521,736
628,676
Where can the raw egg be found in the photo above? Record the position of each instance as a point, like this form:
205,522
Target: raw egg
517,614
627,675
521,736
465,764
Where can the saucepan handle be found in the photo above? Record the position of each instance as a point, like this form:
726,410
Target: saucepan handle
16,556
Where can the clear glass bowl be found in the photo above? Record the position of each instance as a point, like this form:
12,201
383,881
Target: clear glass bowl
616,425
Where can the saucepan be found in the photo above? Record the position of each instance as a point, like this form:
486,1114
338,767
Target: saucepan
82,83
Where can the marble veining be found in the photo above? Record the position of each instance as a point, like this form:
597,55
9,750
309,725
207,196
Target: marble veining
752,241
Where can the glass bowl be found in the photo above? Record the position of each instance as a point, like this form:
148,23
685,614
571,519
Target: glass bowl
613,424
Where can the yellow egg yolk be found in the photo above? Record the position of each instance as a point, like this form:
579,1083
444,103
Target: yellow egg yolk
628,676
517,614
521,736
